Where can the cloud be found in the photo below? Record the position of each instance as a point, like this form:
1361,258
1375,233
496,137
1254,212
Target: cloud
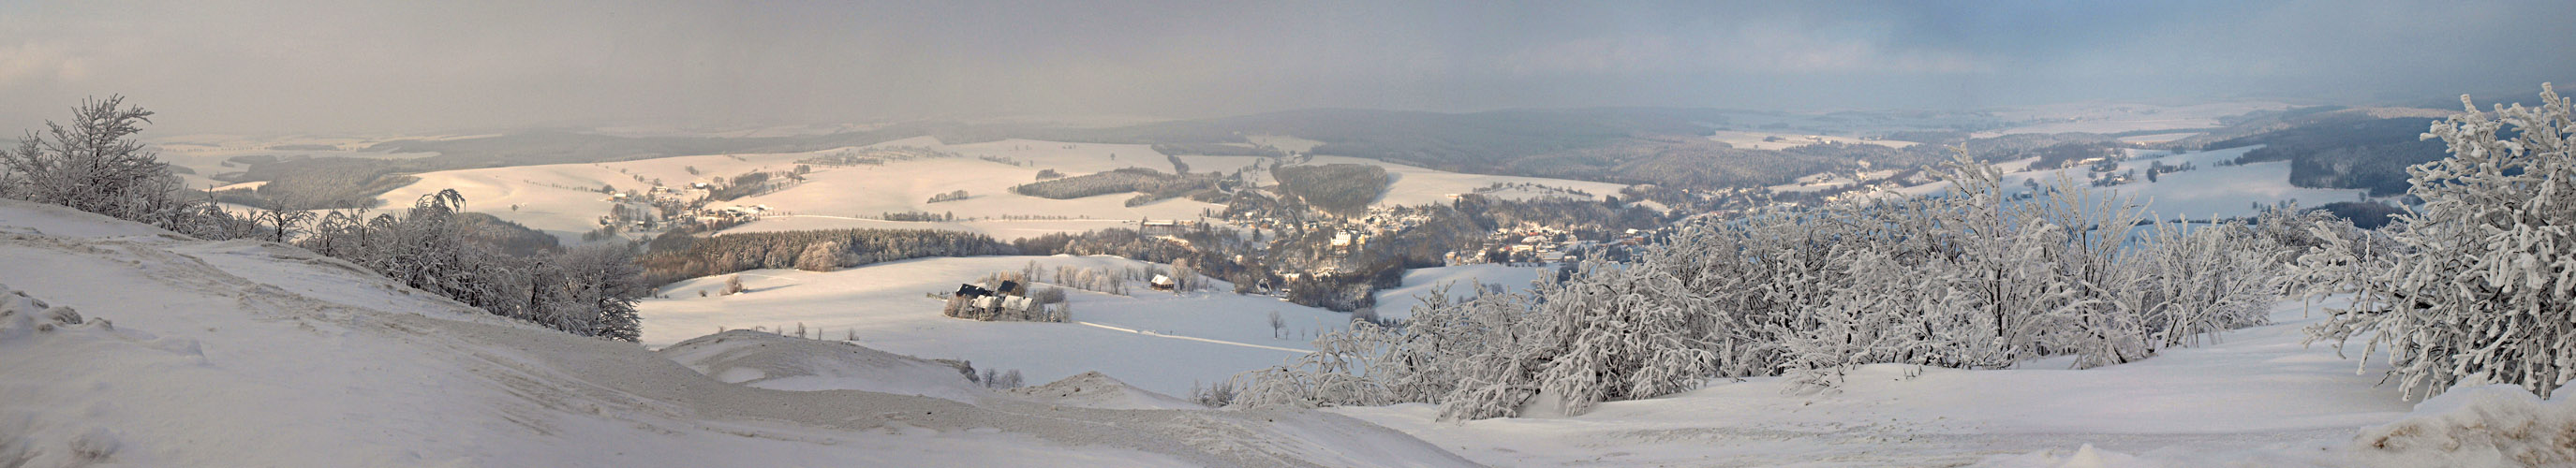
23,63
311,65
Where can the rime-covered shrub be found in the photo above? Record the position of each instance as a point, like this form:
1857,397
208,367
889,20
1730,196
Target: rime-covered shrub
2480,289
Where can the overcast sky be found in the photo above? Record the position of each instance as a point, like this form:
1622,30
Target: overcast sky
337,66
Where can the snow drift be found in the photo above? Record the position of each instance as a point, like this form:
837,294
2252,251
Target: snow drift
2498,425
1096,390
776,362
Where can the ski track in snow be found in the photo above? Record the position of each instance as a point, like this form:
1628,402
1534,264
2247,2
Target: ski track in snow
1193,338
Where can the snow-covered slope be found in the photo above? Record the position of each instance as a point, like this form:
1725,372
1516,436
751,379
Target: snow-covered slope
234,353
777,362
1095,390
1417,185
1461,281
2256,394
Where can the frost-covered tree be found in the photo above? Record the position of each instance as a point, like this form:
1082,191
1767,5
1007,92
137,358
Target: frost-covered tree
822,256
2485,289
2191,283
95,164
1343,370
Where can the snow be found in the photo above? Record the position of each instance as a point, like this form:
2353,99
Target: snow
55,220
206,154
2114,117
1095,390
864,191
1159,341
1823,181
1284,143
1418,186
2482,426
1000,229
2256,391
2157,138
562,199
1461,280
2209,190
248,354
777,362
1756,140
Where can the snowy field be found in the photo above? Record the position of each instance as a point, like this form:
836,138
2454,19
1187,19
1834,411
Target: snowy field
242,353
206,155
1002,229
2202,193
552,198
1418,186
1461,281
1159,341
562,199
2101,117
1757,140
1818,182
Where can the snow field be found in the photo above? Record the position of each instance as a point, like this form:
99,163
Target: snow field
2201,193
1417,185
1158,341
1398,303
1754,140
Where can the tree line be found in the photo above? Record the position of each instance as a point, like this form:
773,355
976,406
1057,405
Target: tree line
685,257
1154,185
1343,189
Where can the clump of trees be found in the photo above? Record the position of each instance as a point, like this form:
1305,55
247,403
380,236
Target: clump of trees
1978,278
917,216
820,250
747,184
1343,189
1154,185
435,247
95,165
950,196
2345,151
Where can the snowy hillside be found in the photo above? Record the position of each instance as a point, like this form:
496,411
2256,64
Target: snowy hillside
1461,281
1160,341
2207,191
2106,117
238,353
564,199
2259,398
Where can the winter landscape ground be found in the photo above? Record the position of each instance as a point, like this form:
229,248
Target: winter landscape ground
1425,233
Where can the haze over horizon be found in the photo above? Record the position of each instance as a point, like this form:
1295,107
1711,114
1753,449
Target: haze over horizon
251,67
